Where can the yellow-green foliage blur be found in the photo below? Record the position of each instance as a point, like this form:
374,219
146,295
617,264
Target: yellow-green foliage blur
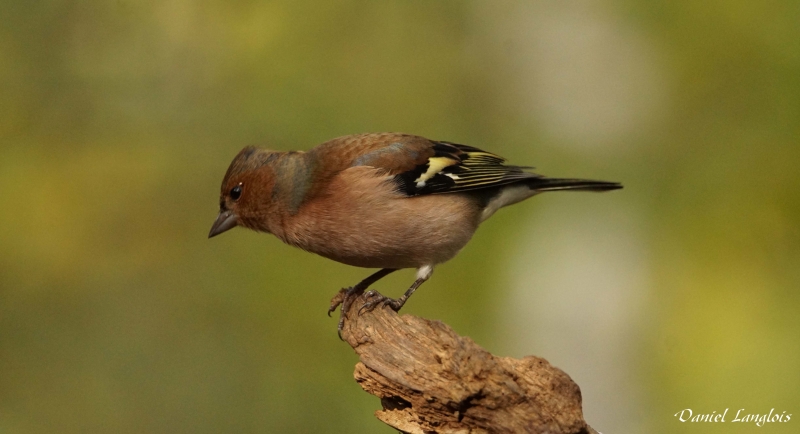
119,118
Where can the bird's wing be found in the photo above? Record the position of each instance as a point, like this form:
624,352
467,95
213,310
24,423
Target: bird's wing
420,166
453,168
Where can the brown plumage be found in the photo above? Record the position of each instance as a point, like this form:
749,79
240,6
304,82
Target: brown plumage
385,200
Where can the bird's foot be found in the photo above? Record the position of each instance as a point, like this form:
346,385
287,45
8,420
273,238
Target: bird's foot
344,298
375,299
338,299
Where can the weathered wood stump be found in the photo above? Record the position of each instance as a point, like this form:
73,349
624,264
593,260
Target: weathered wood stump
431,380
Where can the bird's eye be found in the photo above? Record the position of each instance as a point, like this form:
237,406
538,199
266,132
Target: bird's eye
236,192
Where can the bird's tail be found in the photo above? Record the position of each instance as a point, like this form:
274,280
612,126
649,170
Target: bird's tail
557,184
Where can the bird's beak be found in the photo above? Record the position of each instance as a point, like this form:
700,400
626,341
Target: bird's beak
225,220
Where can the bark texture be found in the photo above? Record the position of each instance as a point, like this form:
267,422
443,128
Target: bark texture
431,380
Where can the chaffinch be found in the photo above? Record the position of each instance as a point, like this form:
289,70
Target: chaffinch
385,200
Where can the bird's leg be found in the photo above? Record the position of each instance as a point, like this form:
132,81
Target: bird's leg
346,296
423,274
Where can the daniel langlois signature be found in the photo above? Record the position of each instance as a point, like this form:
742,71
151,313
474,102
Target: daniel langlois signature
740,415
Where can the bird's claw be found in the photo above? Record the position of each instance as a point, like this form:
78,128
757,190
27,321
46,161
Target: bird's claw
337,300
375,299
343,299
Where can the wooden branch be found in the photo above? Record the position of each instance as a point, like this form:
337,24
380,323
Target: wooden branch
431,380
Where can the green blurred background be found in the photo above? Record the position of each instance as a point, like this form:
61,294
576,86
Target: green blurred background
119,118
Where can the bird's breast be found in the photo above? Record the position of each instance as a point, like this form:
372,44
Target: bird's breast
361,220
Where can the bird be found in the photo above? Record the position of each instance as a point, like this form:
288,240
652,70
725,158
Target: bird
377,200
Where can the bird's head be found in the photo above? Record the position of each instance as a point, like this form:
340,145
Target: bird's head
245,196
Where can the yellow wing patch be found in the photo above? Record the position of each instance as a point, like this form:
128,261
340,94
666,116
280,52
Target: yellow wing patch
435,165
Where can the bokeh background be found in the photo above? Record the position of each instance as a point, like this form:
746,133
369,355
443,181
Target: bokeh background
119,118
